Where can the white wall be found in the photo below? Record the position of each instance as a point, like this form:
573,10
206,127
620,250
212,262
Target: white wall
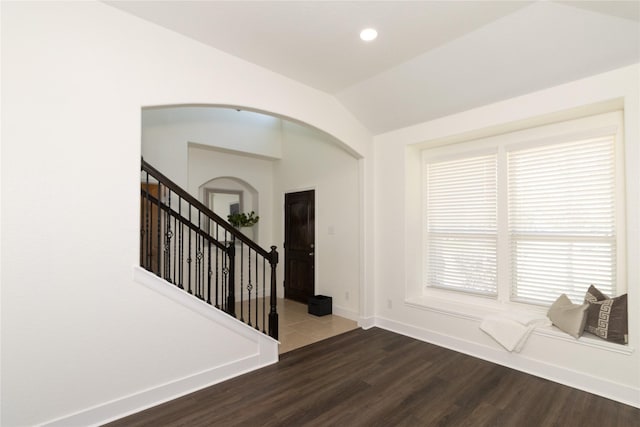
311,161
609,370
206,164
77,331
167,131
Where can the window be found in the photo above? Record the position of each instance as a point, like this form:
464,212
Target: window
461,224
527,216
562,219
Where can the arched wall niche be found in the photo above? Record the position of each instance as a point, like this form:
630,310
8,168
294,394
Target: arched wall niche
228,194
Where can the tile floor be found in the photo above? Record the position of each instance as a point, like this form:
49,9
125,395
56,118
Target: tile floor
298,328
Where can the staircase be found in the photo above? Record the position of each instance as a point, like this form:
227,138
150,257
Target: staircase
189,246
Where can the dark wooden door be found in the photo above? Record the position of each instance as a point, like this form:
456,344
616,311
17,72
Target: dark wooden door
299,245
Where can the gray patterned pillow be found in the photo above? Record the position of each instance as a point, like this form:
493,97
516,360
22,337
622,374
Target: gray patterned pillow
607,317
568,317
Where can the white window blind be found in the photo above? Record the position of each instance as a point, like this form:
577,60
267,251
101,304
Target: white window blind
562,220
461,212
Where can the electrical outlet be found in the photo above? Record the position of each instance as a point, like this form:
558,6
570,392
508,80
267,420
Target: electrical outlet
346,295
389,304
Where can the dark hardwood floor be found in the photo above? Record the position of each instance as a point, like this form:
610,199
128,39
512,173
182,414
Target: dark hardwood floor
378,378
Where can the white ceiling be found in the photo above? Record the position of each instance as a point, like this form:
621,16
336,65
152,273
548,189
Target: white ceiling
431,59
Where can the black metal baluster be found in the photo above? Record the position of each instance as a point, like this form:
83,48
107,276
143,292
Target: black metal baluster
150,230
198,289
147,230
167,240
225,278
241,280
175,248
217,264
142,215
256,294
231,298
152,224
189,256
181,248
273,314
209,272
195,260
201,267
249,286
159,226
196,271
264,290
202,263
149,227
228,281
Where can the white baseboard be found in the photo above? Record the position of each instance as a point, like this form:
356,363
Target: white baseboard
367,322
599,386
267,354
119,408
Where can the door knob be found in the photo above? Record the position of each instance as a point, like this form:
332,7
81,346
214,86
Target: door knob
310,253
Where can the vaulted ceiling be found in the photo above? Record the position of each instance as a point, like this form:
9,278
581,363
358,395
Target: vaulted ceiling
431,58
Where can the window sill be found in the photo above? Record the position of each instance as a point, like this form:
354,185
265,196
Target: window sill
476,308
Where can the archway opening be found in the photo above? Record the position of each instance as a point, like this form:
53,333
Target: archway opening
262,157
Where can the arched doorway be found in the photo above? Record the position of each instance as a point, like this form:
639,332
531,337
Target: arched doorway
274,157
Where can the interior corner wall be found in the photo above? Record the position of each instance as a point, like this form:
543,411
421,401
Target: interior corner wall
398,270
312,161
77,330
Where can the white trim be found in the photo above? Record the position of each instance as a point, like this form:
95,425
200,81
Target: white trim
367,322
363,214
122,407
476,312
266,354
599,386
587,340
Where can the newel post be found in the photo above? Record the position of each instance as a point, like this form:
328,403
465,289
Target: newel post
273,314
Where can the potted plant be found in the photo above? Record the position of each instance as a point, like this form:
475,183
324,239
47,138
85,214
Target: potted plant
239,220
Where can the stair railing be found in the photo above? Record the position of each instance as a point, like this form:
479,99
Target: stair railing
188,245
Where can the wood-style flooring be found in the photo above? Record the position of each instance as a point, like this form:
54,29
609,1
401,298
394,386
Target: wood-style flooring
379,378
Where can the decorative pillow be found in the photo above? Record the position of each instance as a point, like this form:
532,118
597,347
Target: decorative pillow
594,295
607,317
570,318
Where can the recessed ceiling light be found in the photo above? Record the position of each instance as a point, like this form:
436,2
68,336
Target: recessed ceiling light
368,34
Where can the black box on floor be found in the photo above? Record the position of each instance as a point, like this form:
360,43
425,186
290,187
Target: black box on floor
319,305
